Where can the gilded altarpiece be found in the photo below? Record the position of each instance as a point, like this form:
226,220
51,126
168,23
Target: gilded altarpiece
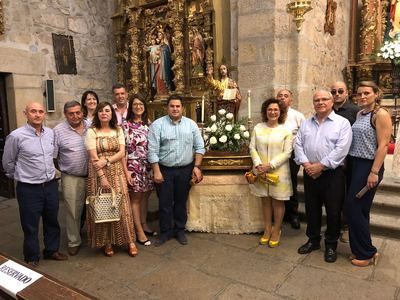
162,48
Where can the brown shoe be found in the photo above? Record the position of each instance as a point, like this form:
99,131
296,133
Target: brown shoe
56,256
132,251
108,250
73,250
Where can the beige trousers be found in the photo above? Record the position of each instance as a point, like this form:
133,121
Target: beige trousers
74,192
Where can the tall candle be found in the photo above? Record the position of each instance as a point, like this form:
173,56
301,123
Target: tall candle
202,109
249,103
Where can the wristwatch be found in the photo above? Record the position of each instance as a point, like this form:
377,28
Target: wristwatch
108,162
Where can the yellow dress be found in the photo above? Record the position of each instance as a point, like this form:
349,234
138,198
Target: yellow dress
274,146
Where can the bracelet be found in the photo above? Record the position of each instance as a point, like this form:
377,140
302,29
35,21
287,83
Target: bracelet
373,172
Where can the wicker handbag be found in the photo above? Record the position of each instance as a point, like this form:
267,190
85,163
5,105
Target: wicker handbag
105,207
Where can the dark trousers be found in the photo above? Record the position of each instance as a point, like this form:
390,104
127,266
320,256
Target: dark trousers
357,210
35,201
327,190
172,195
292,206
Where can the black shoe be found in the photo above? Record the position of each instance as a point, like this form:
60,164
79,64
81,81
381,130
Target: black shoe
33,263
308,247
160,241
181,238
330,255
295,222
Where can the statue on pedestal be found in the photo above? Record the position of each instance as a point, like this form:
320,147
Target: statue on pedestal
228,96
394,17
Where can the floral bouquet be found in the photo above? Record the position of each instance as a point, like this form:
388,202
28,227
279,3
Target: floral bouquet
222,133
391,50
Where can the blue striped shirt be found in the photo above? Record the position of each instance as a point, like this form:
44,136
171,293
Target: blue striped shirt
174,144
70,150
28,157
327,143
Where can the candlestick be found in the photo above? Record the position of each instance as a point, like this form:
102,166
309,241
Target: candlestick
249,103
202,109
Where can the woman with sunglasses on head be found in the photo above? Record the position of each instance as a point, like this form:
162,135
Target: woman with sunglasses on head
89,103
105,142
371,136
140,177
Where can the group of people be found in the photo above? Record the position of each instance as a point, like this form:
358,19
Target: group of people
342,148
103,146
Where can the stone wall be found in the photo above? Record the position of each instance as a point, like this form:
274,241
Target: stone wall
26,51
272,55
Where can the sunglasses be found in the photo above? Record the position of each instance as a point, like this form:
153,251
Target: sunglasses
339,91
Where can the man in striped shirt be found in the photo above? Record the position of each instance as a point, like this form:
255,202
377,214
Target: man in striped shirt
72,160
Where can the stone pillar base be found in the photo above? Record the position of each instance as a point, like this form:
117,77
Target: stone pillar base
223,204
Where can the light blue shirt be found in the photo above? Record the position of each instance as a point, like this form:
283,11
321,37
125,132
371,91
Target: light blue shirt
327,143
28,157
173,144
70,149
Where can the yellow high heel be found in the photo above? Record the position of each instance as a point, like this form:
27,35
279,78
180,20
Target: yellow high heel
273,244
263,240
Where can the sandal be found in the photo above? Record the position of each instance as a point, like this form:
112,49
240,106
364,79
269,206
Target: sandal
108,251
132,250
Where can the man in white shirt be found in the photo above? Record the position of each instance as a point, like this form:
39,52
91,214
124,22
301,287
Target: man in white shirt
293,121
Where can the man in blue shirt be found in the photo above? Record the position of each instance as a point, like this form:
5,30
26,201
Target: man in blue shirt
321,146
28,159
176,150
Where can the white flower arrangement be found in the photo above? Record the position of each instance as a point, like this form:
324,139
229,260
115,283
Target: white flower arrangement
223,134
391,50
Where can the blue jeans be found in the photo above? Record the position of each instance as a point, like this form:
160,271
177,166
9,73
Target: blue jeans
39,201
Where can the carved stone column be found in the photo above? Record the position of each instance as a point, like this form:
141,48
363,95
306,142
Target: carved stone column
177,41
133,38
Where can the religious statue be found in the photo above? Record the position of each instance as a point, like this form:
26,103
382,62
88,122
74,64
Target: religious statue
394,18
197,52
228,97
154,59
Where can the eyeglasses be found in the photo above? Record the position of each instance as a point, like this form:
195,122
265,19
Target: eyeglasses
339,91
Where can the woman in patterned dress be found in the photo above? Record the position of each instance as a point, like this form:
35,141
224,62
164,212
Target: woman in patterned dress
270,150
371,136
105,142
138,167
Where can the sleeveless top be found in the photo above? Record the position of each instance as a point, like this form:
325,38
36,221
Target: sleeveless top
364,141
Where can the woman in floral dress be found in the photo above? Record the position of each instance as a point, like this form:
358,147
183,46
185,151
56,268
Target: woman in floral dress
138,168
106,146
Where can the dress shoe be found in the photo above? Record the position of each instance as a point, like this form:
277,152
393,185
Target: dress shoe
108,251
365,262
144,243
344,236
295,222
308,247
132,251
181,238
33,264
330,255
73,250
161,240
150,233
56,256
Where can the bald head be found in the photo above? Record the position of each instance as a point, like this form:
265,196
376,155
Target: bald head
35,114
339,93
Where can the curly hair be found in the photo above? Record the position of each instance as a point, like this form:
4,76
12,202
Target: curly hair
96,121
282,110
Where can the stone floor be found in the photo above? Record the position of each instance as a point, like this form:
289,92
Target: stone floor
215,266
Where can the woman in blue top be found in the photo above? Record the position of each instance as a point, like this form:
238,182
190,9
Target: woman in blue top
371,136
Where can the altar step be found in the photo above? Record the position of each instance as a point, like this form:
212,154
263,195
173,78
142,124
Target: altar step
385,211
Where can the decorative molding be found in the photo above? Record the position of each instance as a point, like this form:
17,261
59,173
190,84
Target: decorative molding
2,29
330,17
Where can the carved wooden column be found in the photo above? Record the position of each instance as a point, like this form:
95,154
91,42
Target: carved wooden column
177,40
368,28
133,38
